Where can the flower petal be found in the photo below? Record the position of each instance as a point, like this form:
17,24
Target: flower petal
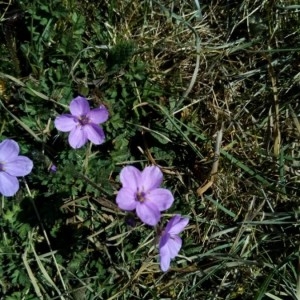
9,150
53,168
130,177
148,213
9,185
21,166
65,123
79,106
126,199
176,224
98,115
162,198
164,262
174,244
77,137
151,178
94,133
164,253
163,240
169,245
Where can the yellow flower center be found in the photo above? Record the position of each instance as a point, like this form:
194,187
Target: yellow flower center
140,197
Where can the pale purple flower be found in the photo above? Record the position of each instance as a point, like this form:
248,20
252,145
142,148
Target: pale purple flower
53,168
170,243
83,123
141,191
12,165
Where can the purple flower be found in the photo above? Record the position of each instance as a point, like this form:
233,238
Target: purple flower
11,166
53,168
141,191
170,243
83,123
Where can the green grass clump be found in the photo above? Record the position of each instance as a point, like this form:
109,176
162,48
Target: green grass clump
208,91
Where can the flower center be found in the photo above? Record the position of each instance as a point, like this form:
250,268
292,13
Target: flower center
83,120
140,197
1,167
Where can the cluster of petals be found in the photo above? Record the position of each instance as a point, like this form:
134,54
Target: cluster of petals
141,192
83,123
12,165
170,243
